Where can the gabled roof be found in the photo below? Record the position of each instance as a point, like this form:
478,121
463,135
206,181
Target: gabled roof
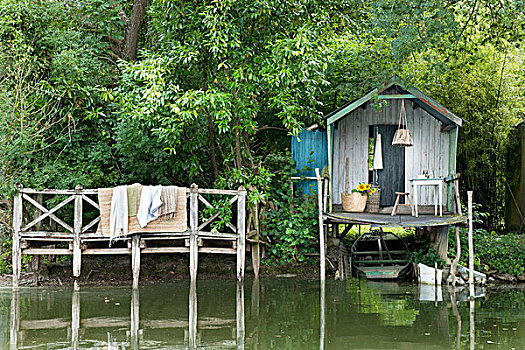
405,91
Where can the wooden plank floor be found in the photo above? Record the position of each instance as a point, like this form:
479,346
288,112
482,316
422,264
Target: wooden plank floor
424,220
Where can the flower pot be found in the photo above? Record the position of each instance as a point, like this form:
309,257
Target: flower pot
354,202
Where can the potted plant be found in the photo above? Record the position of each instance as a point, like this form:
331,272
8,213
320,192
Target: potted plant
355,201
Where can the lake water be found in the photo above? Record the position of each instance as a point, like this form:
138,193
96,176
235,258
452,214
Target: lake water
276,314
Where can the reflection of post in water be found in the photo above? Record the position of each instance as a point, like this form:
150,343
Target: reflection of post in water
192,318
135,318
254,335
75,318
472,327
15,320
255,298
240,315
453,301
322,315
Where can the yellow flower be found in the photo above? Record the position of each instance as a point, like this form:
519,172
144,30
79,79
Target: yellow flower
373,190
367,186
361,187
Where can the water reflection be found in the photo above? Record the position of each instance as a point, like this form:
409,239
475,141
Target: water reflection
280,314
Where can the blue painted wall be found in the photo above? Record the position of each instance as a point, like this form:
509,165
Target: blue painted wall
311,152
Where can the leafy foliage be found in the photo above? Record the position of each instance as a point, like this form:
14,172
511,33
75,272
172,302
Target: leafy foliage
492,251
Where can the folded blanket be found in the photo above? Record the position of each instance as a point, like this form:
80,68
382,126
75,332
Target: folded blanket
168,197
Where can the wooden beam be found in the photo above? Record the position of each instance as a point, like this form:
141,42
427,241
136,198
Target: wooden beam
46,251
165,250
135,259
452,151
194,217
322,246
329,137
395,97
77,224
16,252
241,231
106,251
48,212
217,250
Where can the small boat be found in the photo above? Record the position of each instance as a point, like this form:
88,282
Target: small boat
380,255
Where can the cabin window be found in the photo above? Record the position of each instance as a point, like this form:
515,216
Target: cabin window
371,138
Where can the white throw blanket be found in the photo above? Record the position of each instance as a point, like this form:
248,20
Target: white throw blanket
378,154
118,219
150,203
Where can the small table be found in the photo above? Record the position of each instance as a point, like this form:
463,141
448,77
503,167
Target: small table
437,182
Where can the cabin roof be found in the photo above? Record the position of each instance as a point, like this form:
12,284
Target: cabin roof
403,91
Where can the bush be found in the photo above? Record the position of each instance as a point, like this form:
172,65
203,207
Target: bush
493,252
292,232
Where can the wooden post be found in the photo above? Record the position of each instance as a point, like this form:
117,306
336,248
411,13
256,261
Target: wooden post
241,232
135,305
135,259
194,217
35,259
14,326
325,195
75,318
239,315
470,247
192,317
322,248
77,228
454,267
17,225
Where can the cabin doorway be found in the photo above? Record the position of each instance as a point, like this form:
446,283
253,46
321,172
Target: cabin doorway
391,178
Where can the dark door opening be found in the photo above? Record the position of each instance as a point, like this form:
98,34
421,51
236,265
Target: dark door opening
391,178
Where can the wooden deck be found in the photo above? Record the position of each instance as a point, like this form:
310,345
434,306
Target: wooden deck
426,220
64,222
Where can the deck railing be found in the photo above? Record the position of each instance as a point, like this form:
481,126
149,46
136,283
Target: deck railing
72,216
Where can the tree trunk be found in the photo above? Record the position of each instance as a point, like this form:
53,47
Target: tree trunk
213,157
238,154
134,24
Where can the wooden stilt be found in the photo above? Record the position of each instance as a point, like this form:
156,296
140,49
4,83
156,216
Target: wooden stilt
75,318
135,304
35,266
135,259
240,315
192,317
241,232
454,266
17,225
77,228
14,326
194,217
322,246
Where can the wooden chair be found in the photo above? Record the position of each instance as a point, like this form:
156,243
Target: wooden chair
407,197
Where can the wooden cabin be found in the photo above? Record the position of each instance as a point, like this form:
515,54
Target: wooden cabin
352,132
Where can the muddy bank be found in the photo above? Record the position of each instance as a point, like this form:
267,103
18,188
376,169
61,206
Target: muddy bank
116,271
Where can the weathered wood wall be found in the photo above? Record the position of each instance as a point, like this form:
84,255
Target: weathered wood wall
430,150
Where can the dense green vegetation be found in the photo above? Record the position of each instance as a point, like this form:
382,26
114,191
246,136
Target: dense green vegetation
174,92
